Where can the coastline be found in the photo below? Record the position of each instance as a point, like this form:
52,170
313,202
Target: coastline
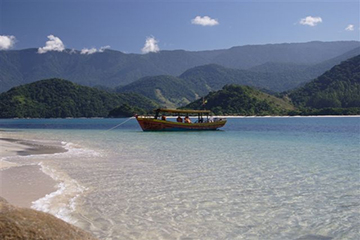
23,184
26,187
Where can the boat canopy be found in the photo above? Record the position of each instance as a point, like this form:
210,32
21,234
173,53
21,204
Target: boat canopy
181,111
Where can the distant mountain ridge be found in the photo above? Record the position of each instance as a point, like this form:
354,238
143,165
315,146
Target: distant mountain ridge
199,81
113,68
336,92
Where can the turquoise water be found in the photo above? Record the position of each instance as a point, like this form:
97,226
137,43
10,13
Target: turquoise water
258,178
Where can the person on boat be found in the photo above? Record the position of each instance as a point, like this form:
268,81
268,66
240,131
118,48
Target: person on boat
179,119
187,119
163,117
157,114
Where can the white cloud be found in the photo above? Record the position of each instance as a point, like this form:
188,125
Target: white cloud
88,51
102,49
72,51
350,27
311,21
94,50
204,21
54,44
6,42
150,45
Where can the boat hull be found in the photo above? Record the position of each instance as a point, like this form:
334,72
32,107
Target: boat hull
151,124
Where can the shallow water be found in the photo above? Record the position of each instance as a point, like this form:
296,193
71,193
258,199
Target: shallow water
258,178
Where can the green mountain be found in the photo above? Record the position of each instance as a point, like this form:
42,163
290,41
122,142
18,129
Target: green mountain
213,77
166,90
113,68
199,81
54,98
336,88
242,100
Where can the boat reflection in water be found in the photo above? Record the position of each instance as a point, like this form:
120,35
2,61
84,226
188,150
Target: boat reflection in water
182,122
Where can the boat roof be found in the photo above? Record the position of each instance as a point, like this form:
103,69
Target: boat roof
181,110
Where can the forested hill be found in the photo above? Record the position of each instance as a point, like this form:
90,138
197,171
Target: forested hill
242,100
55,98
166,90
113,68
337,88
199,81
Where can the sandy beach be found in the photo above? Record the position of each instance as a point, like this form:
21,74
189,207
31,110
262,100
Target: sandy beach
23,184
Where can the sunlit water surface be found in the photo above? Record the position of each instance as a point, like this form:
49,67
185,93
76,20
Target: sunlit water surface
258,178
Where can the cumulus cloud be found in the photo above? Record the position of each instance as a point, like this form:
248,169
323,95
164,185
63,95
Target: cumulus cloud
350,27
102,49
6,42
88,51
150,45
94,50
204,21
72,51
310,21
54,44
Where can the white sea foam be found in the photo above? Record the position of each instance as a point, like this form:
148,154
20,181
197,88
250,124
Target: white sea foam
73,149
62,202
6,164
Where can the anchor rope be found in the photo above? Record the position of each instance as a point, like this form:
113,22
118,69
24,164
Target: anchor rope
120,124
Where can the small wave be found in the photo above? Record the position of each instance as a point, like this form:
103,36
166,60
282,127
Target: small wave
4,165
62,202
73,149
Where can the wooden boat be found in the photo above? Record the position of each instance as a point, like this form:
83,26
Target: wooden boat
157,123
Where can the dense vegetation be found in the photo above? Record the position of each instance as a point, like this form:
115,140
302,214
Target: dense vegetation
54,98
126,110
337,88
336,92
242,100
113,68
199,81
166,90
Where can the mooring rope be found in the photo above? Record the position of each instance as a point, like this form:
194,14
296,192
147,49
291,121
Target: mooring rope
120,124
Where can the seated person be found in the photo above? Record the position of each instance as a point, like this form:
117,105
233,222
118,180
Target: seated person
187,119
179,119
163,117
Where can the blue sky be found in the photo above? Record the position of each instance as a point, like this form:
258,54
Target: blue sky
141,26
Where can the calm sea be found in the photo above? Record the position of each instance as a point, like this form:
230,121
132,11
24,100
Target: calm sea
258,178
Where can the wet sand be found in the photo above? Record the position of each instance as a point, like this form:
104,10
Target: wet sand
21,185
10,146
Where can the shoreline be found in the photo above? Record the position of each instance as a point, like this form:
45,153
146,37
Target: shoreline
23,184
